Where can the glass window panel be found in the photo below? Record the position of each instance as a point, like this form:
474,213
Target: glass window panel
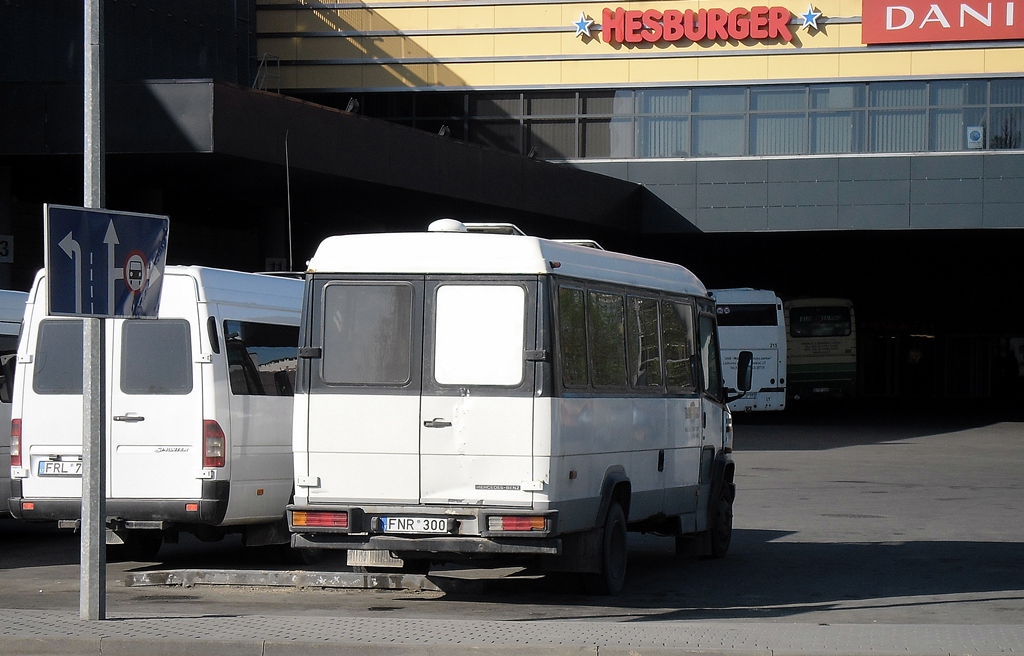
368,334
386,105
754,314
954,93
821,321
642,347
156,357
572,337
948,127
607,138
606,338
664,101
552,139
677,341
900,131
261,357
719,100
1005,128
1007,92
619,103
504,135
898,94
718,136
710,361
496,106
552,105
479,333
57,365
778,99
837,96
664,137
440,104
778,134
837,132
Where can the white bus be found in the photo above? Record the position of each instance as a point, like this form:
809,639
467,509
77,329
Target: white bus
752,320
822,348
465,395
198,430
12,311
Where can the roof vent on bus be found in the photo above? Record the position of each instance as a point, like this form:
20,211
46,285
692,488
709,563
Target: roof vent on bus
495,228
447,225
586,243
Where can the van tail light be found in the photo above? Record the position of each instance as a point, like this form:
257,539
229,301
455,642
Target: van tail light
15,443
213,444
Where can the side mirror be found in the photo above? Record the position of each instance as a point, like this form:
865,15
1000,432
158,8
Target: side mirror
744,374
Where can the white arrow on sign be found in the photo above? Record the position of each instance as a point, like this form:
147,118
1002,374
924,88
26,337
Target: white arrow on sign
73,250
115,272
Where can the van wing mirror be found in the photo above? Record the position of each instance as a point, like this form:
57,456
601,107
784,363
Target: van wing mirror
744,374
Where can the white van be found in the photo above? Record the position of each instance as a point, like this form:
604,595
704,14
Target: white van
466,395
12,310
753,320
199,412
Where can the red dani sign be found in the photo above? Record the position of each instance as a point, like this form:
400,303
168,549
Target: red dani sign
635,26
931,21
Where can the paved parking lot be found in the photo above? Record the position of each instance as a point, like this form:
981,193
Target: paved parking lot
847,516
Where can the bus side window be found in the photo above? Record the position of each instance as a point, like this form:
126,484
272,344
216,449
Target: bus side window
677,340
642,344
710,361
607,338
572,337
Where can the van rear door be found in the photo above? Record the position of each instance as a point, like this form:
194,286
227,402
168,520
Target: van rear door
476,428
156,400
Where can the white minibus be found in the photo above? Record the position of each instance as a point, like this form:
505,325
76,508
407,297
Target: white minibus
752,320
198,412
12,310
822,348
466,395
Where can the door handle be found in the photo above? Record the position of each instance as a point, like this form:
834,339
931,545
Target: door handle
129,418
437,422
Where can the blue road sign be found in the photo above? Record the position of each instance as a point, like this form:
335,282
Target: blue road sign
103,264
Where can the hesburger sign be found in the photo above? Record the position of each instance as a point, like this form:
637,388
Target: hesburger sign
634,26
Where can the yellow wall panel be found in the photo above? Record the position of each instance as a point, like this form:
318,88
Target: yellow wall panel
803,66
474,75
518,74
459,18
595,71
328,48
528,15
849,8
874,64
714,69
517,45
414,18
328,77
939,62
668,71
851,36
333,20
283,48
399,75
1004,60
275,21
470,45
568,44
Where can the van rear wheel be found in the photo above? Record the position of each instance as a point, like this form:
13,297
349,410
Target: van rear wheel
614,554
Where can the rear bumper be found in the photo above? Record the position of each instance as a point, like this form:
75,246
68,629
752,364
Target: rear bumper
212,507
467,531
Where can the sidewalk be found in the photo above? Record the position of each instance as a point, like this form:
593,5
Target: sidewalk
58,632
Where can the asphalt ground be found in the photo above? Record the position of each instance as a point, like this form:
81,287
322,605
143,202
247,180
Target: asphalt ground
858,530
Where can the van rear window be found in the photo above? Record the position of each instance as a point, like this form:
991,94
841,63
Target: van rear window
367,333
57,364
156,357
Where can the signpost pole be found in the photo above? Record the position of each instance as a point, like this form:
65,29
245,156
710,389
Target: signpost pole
93,585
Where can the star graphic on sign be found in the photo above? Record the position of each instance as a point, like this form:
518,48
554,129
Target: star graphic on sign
583,25
810,18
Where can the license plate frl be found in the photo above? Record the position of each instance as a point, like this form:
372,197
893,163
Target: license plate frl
60,468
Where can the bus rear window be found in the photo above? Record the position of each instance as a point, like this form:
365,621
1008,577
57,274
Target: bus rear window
367,334
820,322
479,335
760,314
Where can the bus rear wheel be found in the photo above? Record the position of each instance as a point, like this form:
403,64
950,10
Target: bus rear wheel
614,554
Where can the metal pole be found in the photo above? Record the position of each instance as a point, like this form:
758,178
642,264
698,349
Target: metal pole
93,585
288,185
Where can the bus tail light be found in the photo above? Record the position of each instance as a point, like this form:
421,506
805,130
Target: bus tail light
516,523
15,443
320,519
213,444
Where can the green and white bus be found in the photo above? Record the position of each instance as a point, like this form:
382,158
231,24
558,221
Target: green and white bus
822,348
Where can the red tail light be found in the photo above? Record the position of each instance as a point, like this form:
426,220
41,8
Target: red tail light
15,443
214,444
320,519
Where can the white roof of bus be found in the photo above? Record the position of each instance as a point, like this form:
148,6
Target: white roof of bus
489,254
744,295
